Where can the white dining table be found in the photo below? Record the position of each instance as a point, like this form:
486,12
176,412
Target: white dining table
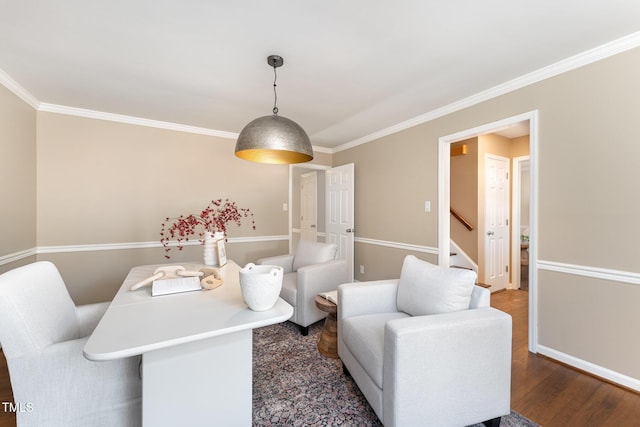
196,348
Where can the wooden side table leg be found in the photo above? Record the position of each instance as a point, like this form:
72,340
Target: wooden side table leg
328,342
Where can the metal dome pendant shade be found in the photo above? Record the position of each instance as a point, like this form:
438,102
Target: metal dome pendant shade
274,139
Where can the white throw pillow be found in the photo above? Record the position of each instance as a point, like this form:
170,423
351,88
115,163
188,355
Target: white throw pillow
425,288
309,252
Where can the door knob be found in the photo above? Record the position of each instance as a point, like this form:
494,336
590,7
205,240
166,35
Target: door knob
490,233
351,230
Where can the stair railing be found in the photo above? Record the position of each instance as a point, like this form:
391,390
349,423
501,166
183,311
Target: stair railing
462,219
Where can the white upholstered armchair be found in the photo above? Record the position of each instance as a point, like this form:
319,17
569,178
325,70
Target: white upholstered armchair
312,269
42,334
426,349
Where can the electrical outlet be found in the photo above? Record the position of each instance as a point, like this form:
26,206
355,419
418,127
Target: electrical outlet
285,207
427,206
362,269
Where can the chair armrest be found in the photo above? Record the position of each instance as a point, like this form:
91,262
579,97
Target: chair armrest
480,297
89,315
460,359
377,296
284,261
323,277
316,278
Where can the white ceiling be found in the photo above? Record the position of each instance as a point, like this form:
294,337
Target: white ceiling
352,68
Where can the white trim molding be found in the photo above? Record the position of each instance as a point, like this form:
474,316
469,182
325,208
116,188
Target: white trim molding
120,118
444,203
17,256
298,231
146,245
398,245
19,91
97,247
592,272
592,368
606,50
585,58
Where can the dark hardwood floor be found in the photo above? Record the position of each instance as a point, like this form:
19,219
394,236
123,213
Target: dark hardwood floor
544,391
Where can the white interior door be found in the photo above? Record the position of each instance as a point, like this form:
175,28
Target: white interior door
496,239
309,206
340,227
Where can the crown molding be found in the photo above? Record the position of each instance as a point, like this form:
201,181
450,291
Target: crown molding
325,150
585,58
19,91
120,118
593,55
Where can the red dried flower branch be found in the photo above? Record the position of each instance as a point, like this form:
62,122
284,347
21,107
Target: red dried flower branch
215,217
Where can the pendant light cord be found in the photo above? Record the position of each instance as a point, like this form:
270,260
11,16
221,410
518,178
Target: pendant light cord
275,93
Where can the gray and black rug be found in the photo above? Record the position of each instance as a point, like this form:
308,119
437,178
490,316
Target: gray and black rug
294,385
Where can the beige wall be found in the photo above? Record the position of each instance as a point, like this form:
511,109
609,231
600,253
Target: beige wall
101,182
588,151
464,197
17,179
105,182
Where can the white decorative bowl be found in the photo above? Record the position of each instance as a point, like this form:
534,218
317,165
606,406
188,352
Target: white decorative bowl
261,285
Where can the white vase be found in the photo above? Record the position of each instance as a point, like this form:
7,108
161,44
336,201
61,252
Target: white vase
211,247
261,285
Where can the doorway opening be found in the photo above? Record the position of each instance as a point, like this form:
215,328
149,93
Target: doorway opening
334,189
298,201
483,226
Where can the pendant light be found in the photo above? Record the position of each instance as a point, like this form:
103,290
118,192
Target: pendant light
274,139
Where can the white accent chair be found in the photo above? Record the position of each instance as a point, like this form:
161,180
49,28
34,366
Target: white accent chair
426,349
312,269
43,335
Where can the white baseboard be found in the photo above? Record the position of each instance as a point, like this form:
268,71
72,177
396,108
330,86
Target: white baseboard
592,368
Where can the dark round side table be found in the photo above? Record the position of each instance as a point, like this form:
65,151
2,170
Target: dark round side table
328,341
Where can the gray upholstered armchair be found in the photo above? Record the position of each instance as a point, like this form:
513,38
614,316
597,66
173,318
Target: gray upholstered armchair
42,335
312,269
426,349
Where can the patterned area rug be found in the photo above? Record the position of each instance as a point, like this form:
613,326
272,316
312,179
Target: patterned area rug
294,385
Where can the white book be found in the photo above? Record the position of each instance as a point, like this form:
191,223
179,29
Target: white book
174,286
330,296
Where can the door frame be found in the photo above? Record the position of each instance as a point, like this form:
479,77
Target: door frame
309,167
516,218
444,203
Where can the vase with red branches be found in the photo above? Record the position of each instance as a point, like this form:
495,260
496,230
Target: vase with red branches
215,218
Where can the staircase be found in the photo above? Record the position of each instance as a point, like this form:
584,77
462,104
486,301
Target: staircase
461,260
